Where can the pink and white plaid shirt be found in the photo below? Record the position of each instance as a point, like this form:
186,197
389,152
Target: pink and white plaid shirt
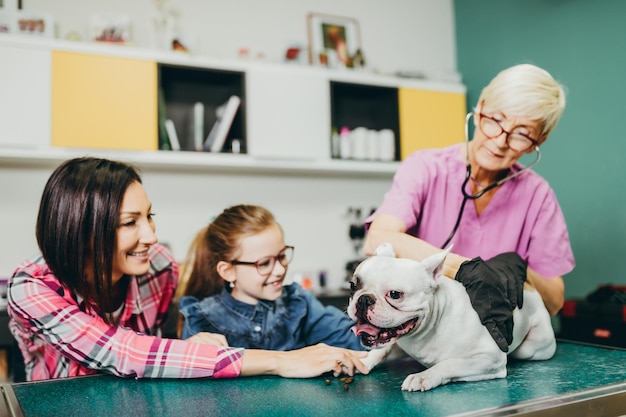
60,337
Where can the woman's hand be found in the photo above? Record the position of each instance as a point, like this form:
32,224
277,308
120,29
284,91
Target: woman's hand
388,228
320,358
307,362
209,339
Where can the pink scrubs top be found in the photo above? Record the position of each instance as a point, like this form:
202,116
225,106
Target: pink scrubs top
523,216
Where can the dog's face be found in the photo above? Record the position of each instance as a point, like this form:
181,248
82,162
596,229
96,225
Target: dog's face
392,296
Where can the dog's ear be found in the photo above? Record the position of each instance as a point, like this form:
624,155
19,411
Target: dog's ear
434,263
385,249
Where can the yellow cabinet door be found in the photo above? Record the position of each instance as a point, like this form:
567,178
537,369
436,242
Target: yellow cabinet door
430,119
103,102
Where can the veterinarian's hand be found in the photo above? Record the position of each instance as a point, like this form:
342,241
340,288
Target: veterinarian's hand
511,269
493,289
209,339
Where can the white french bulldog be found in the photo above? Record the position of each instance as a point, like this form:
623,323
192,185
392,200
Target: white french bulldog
412,304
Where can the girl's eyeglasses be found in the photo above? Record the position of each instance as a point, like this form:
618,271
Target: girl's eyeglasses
265,265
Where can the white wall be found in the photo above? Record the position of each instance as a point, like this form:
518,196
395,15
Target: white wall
311,209
397,35
409,35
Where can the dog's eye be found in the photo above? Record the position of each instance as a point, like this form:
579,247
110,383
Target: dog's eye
395,295
355,283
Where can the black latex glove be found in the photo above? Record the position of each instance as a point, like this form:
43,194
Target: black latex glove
512,268
495,287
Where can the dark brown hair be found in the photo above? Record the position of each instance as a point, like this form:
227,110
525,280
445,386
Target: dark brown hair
77,223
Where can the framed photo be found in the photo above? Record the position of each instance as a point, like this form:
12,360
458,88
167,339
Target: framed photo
27,23
38,24
334,41
109,27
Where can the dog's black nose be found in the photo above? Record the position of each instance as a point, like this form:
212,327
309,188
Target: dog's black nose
365,301
363,304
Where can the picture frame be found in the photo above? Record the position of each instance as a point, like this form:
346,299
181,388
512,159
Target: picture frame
334,41
27,23
109,27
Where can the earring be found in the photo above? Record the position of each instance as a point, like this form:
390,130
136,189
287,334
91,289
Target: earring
231,284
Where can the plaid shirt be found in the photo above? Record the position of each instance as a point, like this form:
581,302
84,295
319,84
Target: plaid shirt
59,336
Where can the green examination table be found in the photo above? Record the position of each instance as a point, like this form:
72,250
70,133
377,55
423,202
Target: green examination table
581,380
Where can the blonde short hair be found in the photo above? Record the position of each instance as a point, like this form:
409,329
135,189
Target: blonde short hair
528,91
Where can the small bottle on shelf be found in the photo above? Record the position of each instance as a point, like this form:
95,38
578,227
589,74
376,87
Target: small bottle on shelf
345,147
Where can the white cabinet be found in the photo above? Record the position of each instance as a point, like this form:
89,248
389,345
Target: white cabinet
283,124
287,114
25,97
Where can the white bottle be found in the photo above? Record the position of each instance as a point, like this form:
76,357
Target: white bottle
345,143
387,145
358,138
372,145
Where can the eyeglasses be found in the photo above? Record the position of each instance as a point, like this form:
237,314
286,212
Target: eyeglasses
265,266
517,141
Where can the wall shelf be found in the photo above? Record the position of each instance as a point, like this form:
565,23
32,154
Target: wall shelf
284,122
200,162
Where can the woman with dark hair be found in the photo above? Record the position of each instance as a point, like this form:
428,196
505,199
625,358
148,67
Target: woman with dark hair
96,298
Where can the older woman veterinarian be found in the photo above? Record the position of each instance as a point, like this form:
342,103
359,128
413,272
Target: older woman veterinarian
477,197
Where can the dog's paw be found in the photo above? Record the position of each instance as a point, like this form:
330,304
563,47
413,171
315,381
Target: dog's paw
374,357
421,381
385,249
369,362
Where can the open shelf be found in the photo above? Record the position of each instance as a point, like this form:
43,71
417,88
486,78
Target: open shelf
180,88
368,106
202,162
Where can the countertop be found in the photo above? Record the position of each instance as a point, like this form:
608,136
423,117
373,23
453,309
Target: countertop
580,380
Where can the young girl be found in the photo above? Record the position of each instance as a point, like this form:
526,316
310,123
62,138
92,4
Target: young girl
96,298
237,288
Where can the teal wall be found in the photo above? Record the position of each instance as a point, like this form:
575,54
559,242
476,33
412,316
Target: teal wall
583,44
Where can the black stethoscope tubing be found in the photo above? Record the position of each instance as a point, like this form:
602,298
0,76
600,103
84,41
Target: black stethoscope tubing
468,175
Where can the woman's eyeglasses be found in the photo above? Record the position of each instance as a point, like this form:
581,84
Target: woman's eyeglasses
265,266
517,141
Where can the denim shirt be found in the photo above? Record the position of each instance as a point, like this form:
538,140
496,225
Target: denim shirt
295,320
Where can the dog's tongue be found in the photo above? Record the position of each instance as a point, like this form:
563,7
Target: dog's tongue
365,328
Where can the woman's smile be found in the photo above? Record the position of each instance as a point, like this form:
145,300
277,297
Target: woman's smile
142,254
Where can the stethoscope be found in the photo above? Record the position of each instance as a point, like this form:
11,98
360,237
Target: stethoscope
468,175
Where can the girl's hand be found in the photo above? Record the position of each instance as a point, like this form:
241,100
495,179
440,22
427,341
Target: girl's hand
209,339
